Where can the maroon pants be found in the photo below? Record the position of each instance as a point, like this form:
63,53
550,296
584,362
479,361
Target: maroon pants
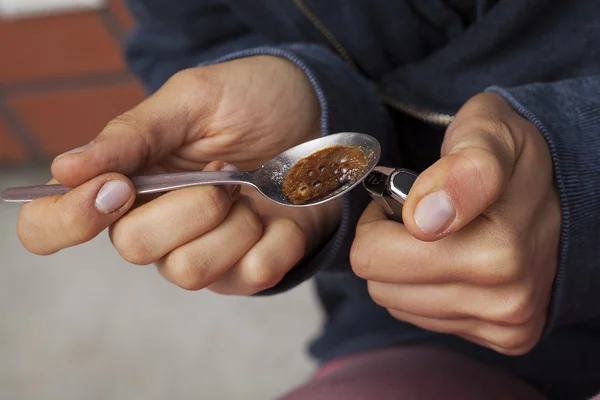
416,373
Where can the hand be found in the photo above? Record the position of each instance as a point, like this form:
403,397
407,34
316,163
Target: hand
242,112
477,255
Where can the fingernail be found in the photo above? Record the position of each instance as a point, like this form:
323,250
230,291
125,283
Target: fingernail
230,168
112,196
434,212
74,151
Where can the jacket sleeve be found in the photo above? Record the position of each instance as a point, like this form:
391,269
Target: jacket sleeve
170,36
159,48
567,113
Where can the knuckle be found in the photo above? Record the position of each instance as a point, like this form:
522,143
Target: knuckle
376,295
296,239
487,116
517,308
491,148
187,270
484,170
504,261
497,125
492,175
504,134
195,84
127,123
214,205
501,269
191,76
510,270
132,243
361,260
187,82
251,227
395,314
294,233
518,342
511,258
261,274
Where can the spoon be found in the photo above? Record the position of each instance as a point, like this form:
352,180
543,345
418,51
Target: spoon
268,179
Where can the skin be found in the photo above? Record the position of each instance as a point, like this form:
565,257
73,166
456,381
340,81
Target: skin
232,112
486,276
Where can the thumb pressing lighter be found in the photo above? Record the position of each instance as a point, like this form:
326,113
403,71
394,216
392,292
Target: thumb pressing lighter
389,189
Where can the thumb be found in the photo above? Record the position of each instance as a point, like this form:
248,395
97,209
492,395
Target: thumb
478,156
140,137
52,223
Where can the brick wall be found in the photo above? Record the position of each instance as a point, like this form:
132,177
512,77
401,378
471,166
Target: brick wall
62,78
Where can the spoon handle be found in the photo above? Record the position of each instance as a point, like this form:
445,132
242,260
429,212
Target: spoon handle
143,184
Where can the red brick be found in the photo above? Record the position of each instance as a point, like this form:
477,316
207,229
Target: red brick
121,13
56,46
10,150
66,119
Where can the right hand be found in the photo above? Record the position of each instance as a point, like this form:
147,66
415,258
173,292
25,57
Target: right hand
242,112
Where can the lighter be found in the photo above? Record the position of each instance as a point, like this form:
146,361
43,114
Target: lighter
389,189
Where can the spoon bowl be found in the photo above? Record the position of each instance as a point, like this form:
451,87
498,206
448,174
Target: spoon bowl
267,179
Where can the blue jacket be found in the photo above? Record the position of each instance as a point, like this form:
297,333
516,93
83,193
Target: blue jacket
399,70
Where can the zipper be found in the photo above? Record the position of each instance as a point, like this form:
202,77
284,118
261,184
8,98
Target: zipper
301,5
424,115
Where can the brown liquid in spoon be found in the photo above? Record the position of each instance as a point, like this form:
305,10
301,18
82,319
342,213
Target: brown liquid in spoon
323,172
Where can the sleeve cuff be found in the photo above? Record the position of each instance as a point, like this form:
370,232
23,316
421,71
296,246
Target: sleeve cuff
569,121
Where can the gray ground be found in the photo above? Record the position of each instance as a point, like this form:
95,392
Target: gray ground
84,324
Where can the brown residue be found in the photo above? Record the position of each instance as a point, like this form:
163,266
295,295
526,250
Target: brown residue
322,173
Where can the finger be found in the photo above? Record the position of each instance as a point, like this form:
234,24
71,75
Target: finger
413,299
311,220
510,340
506,305
372,213
202,261
152,230
141,136
50,224
478,156
280,248
384,251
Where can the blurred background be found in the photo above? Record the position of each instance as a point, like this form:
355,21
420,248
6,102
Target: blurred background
84,324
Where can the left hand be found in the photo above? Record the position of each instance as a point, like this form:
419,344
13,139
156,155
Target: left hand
477,254
242,112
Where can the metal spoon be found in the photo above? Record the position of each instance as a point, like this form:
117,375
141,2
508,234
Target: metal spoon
268,179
